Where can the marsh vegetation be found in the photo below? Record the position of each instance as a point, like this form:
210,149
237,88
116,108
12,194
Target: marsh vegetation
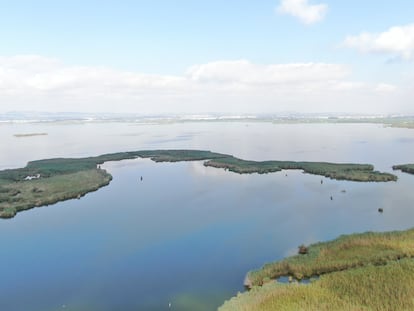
338,171
381,288
344,253
49,181
406,168
369,271
26,194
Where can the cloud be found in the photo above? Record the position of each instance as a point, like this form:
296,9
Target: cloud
37,83
35,74
397,41
244,72
385,88
307,13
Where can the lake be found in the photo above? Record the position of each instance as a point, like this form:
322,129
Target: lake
187,234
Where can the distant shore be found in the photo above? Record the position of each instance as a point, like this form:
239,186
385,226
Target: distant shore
396,121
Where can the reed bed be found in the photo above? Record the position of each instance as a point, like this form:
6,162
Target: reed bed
346,252
371,288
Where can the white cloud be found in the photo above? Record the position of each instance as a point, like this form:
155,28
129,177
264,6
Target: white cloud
307,13
242,71
38,74
397,41
43,84
385,88
348,86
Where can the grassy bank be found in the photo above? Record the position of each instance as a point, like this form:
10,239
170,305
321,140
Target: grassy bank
49,181
344,253
368,271
22,195
380,288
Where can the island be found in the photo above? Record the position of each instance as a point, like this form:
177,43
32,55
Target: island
368,271
45,182
338,171
29,135
406,168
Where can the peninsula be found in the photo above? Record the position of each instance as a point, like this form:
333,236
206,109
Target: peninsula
368,271
406,168
46,182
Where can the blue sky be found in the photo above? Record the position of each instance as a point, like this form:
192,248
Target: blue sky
133,42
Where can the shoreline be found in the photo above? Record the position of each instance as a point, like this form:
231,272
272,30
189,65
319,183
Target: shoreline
353,267
45,182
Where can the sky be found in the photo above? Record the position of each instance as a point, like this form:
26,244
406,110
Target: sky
196,57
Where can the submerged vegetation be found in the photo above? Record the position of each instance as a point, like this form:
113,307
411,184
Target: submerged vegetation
49,181
369,271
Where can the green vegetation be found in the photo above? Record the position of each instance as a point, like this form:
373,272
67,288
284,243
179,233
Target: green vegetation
22,195
339,171
407,168
380,288
179,155
368,271
346,252
48,181
58,166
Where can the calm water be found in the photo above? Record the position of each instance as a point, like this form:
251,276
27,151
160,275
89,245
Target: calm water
187,234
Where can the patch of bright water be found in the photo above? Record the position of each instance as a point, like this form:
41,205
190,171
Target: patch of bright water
288,280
